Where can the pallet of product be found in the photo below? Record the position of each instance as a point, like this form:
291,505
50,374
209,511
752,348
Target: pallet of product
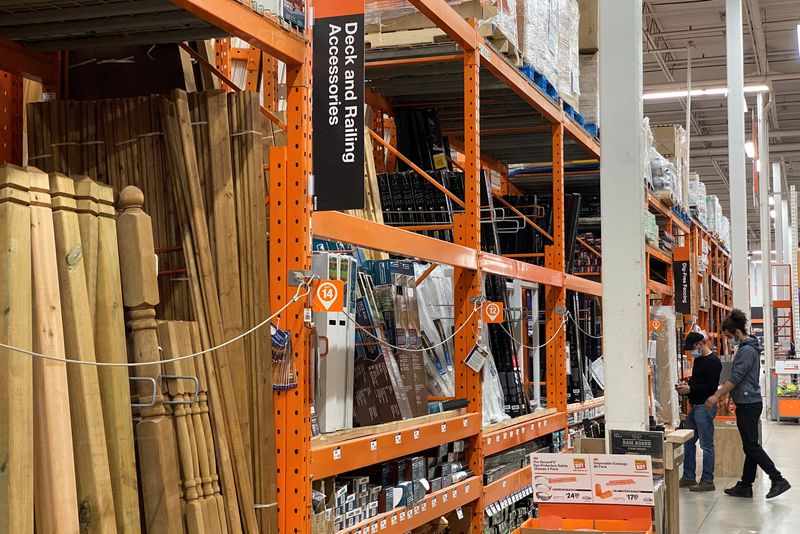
493,33
666,196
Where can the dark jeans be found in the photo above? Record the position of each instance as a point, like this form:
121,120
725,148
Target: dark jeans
747,417
701,420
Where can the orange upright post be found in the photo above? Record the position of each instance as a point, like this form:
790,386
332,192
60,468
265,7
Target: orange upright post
556,296
467,282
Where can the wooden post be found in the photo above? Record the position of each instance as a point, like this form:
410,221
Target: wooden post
55,497
111,346
158,465
16,370
86,193
95,498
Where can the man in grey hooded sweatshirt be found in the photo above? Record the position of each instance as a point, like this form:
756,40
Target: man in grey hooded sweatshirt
745,389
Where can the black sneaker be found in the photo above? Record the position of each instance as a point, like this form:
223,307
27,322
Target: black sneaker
778,486
740,490
687,483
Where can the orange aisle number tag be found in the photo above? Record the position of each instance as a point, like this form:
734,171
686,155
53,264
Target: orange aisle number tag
492,312
655,324
328,296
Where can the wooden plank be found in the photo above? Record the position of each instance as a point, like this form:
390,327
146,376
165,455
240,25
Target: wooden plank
156,443
86,194
16,370
206,50
95,498
111,346
55,495
184,164
224,234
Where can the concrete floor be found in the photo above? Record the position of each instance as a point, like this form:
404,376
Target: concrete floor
717,513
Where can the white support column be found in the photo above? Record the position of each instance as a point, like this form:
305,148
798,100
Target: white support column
736,165
793,262
777,192
622,209
766,228
785,230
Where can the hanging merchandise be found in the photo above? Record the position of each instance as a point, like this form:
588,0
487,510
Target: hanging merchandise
664,372
379,394
435,305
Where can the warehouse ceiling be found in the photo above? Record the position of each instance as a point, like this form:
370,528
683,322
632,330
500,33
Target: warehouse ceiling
771,57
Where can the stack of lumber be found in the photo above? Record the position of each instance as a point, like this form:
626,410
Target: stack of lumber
198,159
67,442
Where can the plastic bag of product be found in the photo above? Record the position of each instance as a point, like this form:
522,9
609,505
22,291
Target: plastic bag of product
435,305
647,173
538,23
568,70
664,369
589,80
662,172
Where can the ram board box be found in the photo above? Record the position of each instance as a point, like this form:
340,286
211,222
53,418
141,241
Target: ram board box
589,26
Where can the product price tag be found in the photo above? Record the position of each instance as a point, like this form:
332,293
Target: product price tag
459,513
398,438
373,445
402,515
383,524
394,520
337,453
444,428
416,433
476,358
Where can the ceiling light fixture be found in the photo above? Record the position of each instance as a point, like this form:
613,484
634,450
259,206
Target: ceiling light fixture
712,91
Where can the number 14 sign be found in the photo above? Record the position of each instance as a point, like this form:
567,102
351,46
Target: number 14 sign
328,296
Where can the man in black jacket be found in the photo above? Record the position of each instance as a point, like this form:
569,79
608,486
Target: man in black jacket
745,389
703,383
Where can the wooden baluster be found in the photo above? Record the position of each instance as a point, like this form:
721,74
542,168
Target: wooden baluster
55,496
95,498
158,465
16,370
173,346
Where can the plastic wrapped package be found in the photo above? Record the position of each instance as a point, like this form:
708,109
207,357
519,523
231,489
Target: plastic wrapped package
538,29
568,69
663,175
650,228
664,367
714,214
399,15
647,174
435,304
725,233
492,390
590,79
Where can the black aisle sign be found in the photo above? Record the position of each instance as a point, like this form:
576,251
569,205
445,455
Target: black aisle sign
338,104
682,274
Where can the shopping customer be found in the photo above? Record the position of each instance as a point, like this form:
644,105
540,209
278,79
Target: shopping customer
701,385
745,390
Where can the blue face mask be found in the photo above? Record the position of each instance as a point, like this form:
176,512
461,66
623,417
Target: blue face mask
695,352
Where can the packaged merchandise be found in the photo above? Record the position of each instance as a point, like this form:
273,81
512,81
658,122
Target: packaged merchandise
589,103
569,87
538,26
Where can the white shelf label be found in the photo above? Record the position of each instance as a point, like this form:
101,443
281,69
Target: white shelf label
403,515
373,445
424,506
444,497
383,523
394,520
459,513
398,438
466,422
466,489
455,493
444,428
433,502
337,453
416,433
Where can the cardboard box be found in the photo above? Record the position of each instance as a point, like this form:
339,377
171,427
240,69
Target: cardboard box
728,453
622,479
562,478
589,26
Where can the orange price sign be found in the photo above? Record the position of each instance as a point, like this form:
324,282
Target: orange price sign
492,312
328,296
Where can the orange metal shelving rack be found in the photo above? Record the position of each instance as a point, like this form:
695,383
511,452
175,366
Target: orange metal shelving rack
292,224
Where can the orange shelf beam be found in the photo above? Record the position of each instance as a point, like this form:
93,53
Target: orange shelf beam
237,19
334,458
19,60
658,287
503,436
340,227
433,506
511,268
658,254
509,484
582,285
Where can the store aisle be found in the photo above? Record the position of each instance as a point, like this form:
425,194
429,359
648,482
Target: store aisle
706,513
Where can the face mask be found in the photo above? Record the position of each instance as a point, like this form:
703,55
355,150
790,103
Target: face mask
695,353
734,342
